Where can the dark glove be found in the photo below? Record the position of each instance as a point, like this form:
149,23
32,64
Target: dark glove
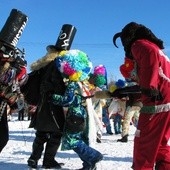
154,94
158,97
46,87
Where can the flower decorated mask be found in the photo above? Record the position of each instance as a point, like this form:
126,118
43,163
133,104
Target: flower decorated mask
74,65
129,70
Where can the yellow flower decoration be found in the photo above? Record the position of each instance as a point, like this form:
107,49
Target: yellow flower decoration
127,64
62,53
76,76
112,88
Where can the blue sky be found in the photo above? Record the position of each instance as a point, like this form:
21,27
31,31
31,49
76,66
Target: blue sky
96,22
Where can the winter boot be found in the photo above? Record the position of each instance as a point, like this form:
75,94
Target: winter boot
52,146
123,139
32,163
51,164
88,155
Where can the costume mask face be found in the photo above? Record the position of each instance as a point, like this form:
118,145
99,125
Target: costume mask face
132,32
127,36
129,70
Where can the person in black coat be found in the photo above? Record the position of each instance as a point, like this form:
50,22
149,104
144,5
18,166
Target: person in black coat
48,120
11,63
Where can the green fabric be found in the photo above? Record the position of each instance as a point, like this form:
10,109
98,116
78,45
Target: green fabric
148,109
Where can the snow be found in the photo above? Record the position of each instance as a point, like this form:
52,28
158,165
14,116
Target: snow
117,155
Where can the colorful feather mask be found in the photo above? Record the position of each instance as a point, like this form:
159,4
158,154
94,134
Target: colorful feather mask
128,70
74,65
99,77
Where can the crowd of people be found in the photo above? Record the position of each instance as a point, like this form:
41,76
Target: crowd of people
72,105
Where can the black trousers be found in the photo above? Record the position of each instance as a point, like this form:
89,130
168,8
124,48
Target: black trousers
4,131
21,115
52,140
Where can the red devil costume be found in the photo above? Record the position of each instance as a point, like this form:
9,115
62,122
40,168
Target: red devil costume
152,137
12,70
48,120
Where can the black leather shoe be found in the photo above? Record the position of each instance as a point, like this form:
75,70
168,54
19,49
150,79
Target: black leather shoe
123,139
32,163
110,133
52,164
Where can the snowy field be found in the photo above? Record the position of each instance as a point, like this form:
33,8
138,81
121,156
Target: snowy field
117,156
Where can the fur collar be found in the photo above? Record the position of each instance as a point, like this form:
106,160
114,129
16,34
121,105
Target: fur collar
42,62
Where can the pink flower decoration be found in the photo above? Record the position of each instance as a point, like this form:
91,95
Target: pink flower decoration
68,70
99,70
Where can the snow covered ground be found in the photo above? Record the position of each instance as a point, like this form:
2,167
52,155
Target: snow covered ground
117,156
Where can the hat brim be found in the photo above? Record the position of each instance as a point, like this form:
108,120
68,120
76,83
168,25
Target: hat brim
7,45
53,47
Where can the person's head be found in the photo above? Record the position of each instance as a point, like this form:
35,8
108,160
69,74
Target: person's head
74,65
132,32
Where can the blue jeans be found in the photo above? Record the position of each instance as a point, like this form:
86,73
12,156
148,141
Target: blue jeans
117,123
106,121
88,155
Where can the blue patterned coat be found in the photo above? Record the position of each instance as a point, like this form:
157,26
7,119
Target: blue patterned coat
74,101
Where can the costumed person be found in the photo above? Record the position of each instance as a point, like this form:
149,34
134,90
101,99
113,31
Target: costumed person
75,66
131,113
12,70
152,137
133,104
106,119
117,120
116,108
99,81
48,120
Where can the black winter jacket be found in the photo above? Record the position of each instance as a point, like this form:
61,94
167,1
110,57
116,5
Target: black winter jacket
51,82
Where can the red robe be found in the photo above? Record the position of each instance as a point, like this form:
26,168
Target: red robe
152,138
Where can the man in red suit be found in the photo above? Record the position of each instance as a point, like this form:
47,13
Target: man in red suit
151,71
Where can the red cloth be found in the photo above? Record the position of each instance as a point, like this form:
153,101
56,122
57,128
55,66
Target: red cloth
150,61
22,73
152,138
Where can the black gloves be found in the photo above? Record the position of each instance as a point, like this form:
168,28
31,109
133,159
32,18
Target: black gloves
154,94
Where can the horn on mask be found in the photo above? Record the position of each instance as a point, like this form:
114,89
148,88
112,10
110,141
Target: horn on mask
117,35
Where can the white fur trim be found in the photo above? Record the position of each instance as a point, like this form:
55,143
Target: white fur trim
161,73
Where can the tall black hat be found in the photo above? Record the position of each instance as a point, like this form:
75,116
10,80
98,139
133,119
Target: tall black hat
13,28
65,38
